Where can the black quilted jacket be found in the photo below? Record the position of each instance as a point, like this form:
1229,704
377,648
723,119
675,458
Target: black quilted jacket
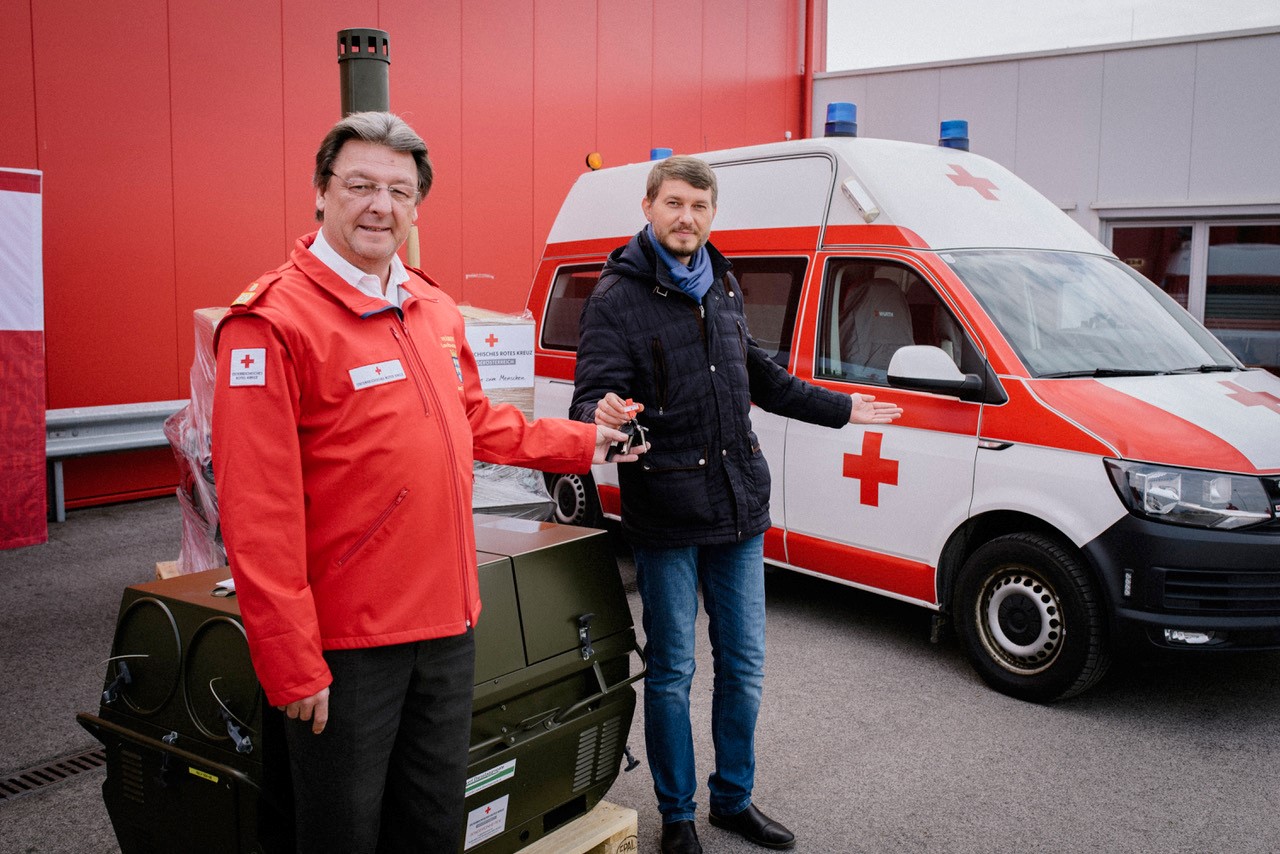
697,370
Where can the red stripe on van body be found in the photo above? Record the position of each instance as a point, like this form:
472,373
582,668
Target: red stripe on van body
798,240
555,367
1138,430
610,500
870,569
1027,419
775,544
571,250
871,235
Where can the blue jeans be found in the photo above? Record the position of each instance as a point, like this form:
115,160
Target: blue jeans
732,580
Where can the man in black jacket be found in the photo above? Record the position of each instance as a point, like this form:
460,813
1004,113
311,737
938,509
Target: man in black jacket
665,327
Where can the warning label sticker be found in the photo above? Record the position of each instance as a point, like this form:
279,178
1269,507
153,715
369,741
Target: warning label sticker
486,822
492,777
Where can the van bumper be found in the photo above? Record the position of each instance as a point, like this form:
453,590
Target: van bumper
1191,587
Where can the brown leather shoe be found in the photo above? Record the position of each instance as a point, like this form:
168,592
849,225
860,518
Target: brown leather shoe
679,837
753,825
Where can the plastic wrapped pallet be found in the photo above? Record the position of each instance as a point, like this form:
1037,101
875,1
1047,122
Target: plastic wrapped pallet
506,375
189,433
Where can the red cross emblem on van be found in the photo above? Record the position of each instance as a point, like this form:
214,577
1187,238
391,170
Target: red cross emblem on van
870,469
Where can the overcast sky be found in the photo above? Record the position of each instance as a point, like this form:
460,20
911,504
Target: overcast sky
877,33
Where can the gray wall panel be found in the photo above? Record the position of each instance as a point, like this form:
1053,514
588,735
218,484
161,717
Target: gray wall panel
1175,124
1237,117
987,96
1145,140
900,106
1059,113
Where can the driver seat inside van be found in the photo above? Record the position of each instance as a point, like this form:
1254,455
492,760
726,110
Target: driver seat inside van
874,322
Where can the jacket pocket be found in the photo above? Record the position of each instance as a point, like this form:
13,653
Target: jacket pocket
673,489
374,528
757,470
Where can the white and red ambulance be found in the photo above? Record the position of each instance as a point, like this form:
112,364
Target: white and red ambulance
1079,463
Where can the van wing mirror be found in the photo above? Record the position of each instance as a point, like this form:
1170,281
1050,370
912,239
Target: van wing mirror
922,367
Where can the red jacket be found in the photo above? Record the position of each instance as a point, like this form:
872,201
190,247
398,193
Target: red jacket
343,441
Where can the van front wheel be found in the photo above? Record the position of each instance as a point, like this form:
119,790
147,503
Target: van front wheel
1030,619
576,502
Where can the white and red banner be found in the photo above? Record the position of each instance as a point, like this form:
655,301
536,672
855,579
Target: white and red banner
22,395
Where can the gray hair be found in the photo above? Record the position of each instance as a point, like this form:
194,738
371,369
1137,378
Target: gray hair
380,129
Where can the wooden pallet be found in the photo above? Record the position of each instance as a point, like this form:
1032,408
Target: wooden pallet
607,829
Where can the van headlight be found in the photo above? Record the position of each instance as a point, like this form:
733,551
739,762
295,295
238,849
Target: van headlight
1204,499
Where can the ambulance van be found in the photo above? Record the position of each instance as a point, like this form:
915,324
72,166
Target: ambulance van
1079,466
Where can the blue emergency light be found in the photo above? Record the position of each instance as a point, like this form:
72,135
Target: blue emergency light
842,119
660,153
954,133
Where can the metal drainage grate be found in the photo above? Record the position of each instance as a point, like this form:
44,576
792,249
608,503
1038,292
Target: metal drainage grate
28,781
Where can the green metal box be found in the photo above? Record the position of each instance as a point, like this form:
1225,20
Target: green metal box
196,758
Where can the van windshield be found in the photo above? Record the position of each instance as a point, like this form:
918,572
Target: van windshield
1068,314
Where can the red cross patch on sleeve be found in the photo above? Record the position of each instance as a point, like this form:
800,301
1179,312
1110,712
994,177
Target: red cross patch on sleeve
248,366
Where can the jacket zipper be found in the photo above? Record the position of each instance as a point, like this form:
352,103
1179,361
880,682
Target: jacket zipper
659,375
420,369
373,529
406,347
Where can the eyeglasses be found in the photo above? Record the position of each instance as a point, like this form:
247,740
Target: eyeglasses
401,194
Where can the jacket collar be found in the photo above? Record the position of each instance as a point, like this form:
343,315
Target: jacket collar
339,289
638,259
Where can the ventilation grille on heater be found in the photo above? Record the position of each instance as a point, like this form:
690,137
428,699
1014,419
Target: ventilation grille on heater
587,740
131,785
610,749
599,752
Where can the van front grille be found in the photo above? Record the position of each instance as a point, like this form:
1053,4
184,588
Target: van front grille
1213,591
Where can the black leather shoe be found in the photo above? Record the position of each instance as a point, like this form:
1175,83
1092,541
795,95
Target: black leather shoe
756,826
679,837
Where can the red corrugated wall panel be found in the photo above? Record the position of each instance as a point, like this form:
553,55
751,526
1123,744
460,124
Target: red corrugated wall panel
18,95
497,151
426,88
177,142
564,107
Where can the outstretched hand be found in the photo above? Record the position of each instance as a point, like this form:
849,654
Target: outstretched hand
867,411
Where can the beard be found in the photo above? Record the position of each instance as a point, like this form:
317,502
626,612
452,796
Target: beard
677,243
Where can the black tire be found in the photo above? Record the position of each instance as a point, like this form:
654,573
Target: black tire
575,499
1030,619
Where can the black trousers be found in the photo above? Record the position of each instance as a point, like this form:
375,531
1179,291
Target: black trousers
389,771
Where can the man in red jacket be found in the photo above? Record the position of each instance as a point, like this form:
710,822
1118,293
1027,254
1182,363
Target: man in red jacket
347,415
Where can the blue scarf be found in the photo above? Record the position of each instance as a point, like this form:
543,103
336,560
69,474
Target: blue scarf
695,279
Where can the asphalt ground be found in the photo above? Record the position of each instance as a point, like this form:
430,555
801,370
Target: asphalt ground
871,739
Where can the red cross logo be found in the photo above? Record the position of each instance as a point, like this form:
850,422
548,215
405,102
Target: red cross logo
1245,397
962,178
491,340
246,361
378,370
871,469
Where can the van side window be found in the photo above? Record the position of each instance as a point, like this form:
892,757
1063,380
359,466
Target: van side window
869,309
564,307
771,295
770,291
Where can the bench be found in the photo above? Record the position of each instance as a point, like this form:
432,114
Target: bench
82,431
